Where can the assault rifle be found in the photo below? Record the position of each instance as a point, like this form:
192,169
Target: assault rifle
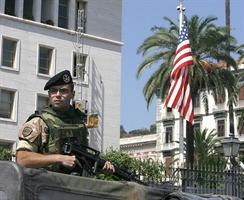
90,157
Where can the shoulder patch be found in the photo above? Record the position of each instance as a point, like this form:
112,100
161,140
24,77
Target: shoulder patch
27,131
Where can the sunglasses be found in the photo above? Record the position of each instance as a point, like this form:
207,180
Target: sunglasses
62,91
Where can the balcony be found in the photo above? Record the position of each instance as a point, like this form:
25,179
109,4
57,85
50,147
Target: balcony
219,108
168,116
240,104
169,146
197,111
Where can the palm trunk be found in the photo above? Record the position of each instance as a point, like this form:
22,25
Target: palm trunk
227,18
189,145
190,138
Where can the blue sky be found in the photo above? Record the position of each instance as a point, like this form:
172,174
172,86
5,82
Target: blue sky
139,16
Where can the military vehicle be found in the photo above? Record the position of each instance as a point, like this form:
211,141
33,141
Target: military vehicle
20,183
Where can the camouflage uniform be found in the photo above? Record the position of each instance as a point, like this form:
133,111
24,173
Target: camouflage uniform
47,132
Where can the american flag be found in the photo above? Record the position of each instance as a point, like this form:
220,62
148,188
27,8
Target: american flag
179,97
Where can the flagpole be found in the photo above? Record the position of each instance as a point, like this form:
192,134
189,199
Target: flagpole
181,135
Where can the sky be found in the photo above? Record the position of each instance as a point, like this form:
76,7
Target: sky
138,17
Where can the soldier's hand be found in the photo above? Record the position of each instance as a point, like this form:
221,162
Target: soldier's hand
70,161
108,169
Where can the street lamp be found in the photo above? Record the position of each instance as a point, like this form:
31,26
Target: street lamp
231,147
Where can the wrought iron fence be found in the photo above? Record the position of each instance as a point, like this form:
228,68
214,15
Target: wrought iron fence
205,180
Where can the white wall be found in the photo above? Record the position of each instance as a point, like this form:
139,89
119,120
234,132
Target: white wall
103,88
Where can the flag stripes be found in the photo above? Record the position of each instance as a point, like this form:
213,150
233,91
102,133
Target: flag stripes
179,96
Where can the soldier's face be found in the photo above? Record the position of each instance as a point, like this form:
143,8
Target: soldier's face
60,97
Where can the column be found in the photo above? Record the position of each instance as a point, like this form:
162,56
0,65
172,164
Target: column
36,10
72,15
19,8
2,6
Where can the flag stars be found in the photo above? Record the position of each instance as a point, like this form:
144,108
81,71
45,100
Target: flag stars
179,97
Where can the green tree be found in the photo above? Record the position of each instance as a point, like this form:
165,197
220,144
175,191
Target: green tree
5,154
149,169
208,45
126,135
153,128
240,85
240,51
207,158
205,144
122,130
142,131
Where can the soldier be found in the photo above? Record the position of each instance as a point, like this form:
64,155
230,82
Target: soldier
43,135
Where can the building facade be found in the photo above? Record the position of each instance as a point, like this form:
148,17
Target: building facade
170,129
40,38
141,147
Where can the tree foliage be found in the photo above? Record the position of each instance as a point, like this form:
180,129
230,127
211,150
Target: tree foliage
240,84
209,75
205,153
122,130
142,131
137,132
204,144
148,169
153,128
208,45
5,154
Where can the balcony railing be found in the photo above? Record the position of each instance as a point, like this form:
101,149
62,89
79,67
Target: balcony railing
168,116
169,146
219,107
240,104
197,110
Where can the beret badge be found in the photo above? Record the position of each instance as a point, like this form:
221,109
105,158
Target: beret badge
66,78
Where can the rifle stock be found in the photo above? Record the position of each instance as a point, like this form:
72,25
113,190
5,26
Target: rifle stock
87,155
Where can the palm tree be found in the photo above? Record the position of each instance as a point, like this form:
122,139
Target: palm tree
208,45
239,79
205,144
240,51
227,22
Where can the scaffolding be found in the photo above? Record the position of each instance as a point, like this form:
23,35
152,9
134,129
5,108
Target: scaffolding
80,68
80,103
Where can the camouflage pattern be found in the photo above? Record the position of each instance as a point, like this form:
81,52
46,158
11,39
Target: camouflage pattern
47,132
33,135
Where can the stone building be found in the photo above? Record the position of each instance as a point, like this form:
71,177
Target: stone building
40,38
169,130
142,147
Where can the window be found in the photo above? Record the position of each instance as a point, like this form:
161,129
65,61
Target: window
241,94
6,103
169,135
9,7
80,5
197,101
28,4
220,100
42,101
169,110
45,60
46,12
6,145
168,161
82,67
221,128
196,126
63,14
9,53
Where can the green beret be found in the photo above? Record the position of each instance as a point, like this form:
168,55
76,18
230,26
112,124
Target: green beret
61,78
